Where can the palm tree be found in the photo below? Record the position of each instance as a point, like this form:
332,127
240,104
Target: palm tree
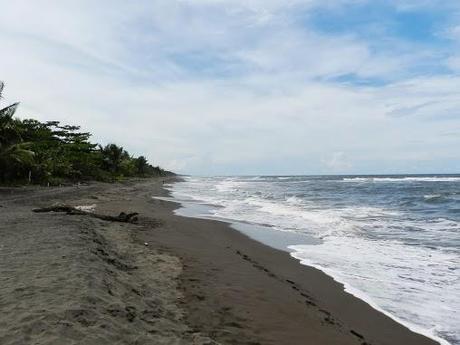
9,110
141,165
17,153
112,156
14,153
8,128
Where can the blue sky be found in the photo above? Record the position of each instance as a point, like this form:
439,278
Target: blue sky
246,87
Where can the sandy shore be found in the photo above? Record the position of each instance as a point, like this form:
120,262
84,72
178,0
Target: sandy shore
166,280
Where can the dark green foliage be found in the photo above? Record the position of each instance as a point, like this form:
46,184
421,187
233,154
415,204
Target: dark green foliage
141,165
52,153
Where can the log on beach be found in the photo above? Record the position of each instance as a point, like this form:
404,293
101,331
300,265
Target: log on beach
70,210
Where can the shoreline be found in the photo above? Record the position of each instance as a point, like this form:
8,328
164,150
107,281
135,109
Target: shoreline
367,299
298,266
186,209
168,279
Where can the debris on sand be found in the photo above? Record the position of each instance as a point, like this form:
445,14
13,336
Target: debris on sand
71,210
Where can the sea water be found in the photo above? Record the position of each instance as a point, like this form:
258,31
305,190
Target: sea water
393,241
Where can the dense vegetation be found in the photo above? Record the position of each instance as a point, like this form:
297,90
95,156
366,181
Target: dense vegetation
36,152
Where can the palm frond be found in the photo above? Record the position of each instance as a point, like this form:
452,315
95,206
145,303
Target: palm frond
18,153
9,111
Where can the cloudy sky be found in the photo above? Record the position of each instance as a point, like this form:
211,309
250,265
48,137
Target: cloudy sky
246,87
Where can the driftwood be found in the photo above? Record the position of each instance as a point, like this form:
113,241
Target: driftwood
122,217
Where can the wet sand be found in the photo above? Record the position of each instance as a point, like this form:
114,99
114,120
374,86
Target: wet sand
166,280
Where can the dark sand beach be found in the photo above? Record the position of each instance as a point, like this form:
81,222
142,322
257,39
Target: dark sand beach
72,279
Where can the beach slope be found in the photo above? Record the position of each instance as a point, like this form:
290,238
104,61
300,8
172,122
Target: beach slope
166,280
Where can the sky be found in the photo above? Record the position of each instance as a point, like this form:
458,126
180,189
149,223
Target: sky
241,87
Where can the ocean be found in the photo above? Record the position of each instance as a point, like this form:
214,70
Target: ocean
393,241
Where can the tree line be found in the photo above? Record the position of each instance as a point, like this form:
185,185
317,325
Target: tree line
49,152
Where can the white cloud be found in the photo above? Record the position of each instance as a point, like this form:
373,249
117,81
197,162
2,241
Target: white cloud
453,63
337,163
453,32
137,73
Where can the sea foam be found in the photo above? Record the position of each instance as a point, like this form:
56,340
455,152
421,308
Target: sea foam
392,241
